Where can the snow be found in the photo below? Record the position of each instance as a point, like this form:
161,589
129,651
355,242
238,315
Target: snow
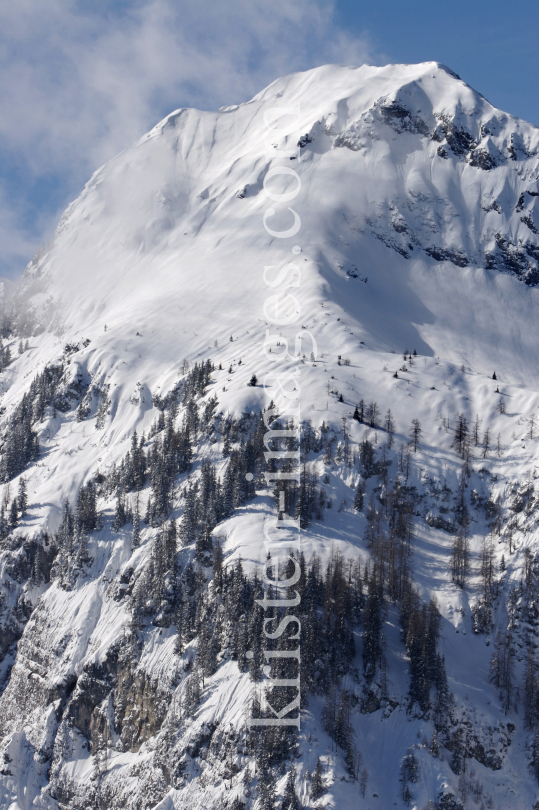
160,259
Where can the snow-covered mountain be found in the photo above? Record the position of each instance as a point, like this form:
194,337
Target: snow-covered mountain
412,210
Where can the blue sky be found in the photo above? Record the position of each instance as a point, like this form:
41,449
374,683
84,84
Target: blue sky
493,46
80,80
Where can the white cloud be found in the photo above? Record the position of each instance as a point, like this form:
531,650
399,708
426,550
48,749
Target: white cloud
14,239
79,85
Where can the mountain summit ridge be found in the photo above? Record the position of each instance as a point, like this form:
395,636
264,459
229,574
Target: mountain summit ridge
451,185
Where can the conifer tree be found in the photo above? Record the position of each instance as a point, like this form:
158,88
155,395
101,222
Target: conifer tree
317,784
531,690
64,542
22,499
367,459
21,445
344,732
135,541
192,694
404,461
86,517
487,570
486,442
266,787
443,699
501,669
188,529
137,463
290,801
458,755
372,629
14,514
389,426
37,576
460,557
415,434
208,648
373,413
361,410
347,457
82,556
409,770
218,572
120,518
460,439
476,430
360,496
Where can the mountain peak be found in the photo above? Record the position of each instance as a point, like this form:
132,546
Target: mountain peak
364,244
415,163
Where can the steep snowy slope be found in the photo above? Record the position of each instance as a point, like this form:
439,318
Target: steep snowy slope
415,205
394,158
